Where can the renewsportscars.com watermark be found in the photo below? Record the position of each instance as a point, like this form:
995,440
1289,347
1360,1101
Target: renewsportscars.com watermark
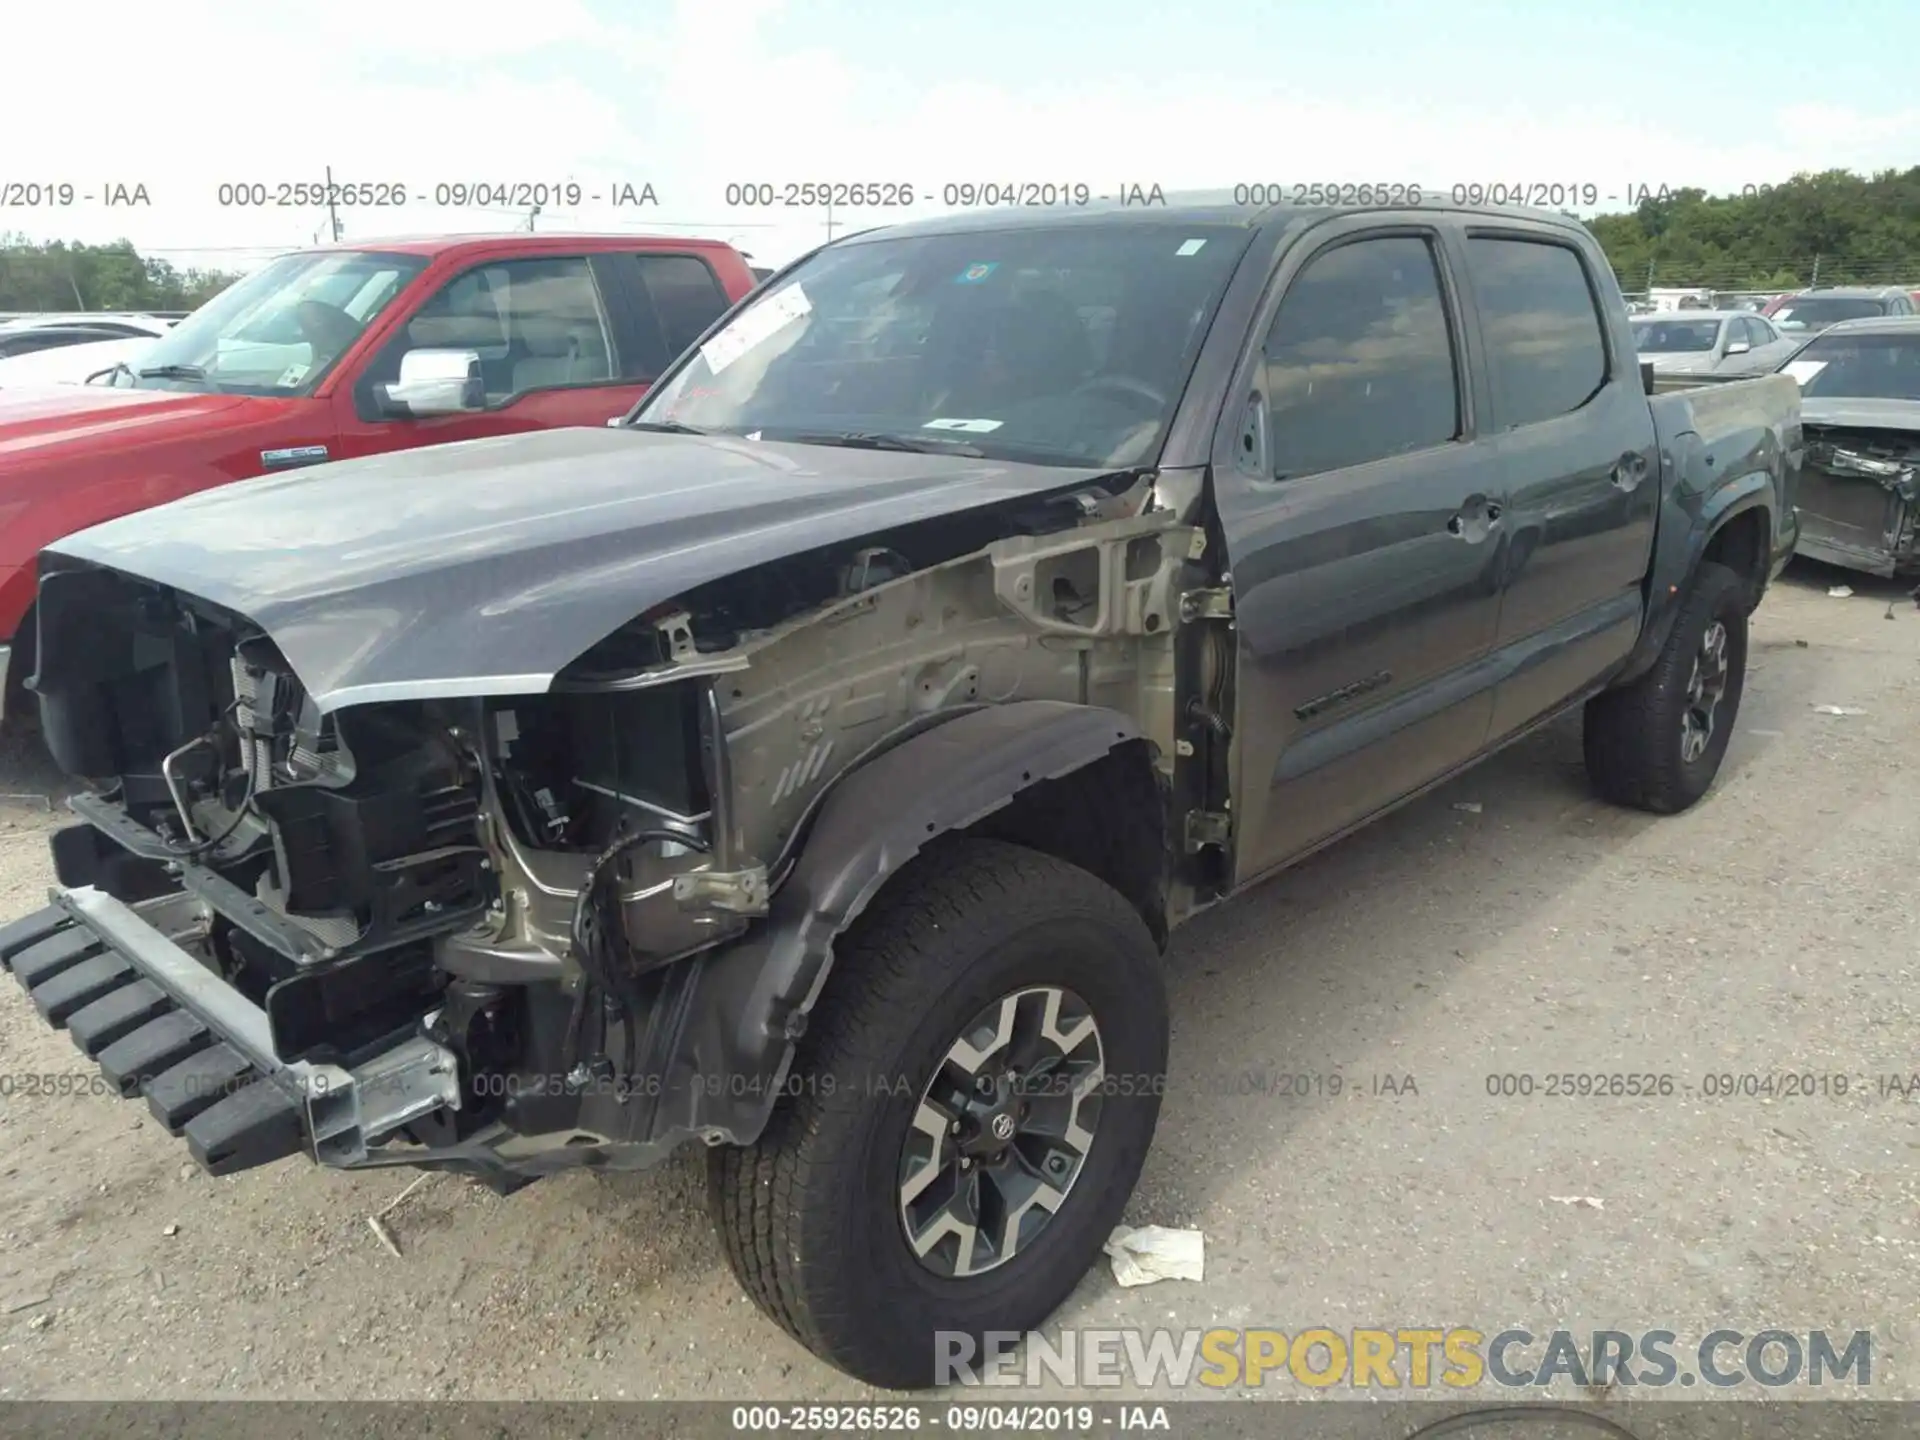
1454,1358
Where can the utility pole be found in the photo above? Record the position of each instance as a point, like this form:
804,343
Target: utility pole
829,218
1815,284
532,215
333,215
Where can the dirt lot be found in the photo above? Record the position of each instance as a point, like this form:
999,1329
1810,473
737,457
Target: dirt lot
1508,924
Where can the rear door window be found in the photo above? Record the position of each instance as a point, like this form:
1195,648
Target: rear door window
687,295
1541,319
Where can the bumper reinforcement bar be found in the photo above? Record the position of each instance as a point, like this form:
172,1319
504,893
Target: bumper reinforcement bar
164,1025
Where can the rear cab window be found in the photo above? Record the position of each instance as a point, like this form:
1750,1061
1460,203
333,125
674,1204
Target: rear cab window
672,301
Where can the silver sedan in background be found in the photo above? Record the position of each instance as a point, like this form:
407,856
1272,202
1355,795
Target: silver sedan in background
1711,342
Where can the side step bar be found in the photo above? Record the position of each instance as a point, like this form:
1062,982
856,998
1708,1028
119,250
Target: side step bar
163,1025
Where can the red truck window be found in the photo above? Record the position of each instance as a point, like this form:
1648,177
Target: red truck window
534,323
687,294
674,299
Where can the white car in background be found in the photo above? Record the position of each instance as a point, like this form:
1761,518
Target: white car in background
124,339
73,364
130,324
1710,342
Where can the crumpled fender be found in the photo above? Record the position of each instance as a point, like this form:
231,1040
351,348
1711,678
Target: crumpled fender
743,1007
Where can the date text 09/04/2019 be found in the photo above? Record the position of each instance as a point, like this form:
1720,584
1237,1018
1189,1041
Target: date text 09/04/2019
955,194
1536,194
446,194
1767,1085
1044,1418
64,194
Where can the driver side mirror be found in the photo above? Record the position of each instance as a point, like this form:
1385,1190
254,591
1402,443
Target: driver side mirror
1738,347
435,382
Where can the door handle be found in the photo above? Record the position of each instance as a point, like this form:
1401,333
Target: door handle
1629,470
1474,519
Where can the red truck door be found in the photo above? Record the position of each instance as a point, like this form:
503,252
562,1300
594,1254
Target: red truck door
562,340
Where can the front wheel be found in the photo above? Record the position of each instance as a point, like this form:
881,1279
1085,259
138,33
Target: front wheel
1657,744
970,1110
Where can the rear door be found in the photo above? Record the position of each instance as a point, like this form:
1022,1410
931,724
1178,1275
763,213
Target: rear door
1575,440
1359,513
545,328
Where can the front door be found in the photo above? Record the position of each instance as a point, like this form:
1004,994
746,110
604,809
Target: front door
1361,517
1576,444
546,330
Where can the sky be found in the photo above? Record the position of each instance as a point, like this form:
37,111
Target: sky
690,96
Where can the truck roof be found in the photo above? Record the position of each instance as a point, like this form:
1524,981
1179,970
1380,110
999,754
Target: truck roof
519,240
1212,207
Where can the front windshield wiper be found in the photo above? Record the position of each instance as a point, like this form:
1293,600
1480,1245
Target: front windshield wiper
869,440
172,372
666,427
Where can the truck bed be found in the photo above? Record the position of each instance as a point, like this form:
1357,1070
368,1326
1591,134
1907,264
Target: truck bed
1713,430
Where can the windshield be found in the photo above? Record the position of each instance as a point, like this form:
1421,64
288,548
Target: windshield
1817,312
279,330
1062,346
1667,337
1866,367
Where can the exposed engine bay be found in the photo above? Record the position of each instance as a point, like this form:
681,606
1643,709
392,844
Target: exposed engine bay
512,890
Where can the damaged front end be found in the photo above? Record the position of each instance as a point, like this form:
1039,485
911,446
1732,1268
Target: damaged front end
509,934
1857,498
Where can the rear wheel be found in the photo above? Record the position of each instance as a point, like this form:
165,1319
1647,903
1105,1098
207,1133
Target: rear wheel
970,1110
1657,744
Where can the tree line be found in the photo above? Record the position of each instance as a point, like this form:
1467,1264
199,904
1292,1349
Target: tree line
1833,228
59,275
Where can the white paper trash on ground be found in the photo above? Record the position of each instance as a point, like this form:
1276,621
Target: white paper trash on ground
1153,1252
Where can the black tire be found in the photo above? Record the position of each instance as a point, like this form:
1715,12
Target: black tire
810,1214
1634,741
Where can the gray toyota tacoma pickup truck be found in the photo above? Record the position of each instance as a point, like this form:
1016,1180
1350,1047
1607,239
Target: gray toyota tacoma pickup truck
812,765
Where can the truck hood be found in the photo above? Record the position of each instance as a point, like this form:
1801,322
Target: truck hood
484,567
1861,413
32,419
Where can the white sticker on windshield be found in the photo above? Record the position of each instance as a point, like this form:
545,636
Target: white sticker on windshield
764,320
972,427
1803,370
1192,247
293,376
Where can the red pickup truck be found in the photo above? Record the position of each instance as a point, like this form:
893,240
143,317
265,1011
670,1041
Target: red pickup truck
348,350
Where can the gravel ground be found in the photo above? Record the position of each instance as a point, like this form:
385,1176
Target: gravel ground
1506,924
